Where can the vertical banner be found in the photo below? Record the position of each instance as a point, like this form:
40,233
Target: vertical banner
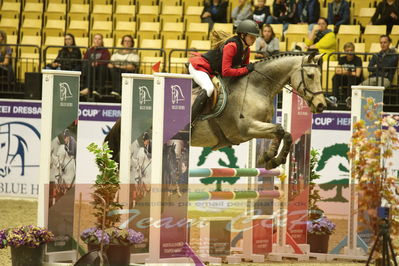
297,119
171,136
356,230
60,108
136,153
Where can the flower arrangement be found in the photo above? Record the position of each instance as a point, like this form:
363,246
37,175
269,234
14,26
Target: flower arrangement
113,235
26,235
321,226
105,202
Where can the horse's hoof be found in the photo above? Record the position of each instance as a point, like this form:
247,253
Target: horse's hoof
270,165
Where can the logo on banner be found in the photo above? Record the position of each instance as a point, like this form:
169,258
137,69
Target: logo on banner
177,94
144,95
302,106
65,91
13,147
177,97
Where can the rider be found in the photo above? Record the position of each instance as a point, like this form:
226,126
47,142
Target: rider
70,143
230,59
147,144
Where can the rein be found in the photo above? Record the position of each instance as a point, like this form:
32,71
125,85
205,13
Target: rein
305,89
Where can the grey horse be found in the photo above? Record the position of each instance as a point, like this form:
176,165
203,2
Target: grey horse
250,107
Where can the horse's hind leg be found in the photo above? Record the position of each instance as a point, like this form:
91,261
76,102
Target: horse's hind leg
282,156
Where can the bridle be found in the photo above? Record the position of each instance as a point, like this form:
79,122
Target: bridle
302,90
305,89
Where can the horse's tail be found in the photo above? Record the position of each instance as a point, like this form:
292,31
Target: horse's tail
218,37
113,139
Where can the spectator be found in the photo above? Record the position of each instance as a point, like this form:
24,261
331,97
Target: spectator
382,65
386,13
322,39
5,59
267,44
123,61
215,11
338,13
284,12
308,11
69,57
242,12
261,13
96,60
348,73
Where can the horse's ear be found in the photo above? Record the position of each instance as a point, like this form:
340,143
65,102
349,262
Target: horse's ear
311,56
318,57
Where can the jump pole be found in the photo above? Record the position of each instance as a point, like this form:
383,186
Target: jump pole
354,246
260,226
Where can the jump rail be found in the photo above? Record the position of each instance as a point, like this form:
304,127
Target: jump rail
235,195
233,172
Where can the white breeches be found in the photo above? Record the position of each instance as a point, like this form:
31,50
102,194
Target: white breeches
202,79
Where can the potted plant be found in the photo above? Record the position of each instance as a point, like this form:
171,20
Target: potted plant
27,243
319,232
319,228
116,241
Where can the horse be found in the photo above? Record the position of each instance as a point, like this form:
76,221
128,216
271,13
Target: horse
170,170
250,107
140,171
62,167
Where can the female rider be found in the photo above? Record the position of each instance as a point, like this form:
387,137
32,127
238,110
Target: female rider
230,59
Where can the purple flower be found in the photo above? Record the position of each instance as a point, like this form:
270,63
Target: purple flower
29,235
321,226
3,239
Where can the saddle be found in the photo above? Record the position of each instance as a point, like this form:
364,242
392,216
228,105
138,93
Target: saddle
217,102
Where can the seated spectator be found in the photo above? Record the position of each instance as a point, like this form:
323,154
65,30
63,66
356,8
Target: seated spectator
382,66
267,44
338,13
322,39
69,57
96,60
386,13
215,11
261,13
308,11
242,12
6,60
284,12
123,61
348,73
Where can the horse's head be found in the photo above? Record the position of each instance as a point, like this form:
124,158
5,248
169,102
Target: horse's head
307,81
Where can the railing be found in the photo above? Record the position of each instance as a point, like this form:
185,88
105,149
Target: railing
339,86
24,59
26,63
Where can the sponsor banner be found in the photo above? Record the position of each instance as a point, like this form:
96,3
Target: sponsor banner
99,112
63,160
19,156
175,162
299,169
141,157
20,109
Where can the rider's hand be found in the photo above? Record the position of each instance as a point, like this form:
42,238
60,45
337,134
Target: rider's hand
250,67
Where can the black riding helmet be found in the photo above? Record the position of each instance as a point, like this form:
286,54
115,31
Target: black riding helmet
248,27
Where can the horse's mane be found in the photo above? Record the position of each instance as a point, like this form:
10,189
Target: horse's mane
279,55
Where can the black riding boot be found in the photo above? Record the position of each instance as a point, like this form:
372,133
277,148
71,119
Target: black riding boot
198,105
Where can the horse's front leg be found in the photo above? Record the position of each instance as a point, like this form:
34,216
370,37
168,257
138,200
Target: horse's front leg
258,129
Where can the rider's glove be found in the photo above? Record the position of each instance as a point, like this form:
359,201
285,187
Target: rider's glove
250,67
